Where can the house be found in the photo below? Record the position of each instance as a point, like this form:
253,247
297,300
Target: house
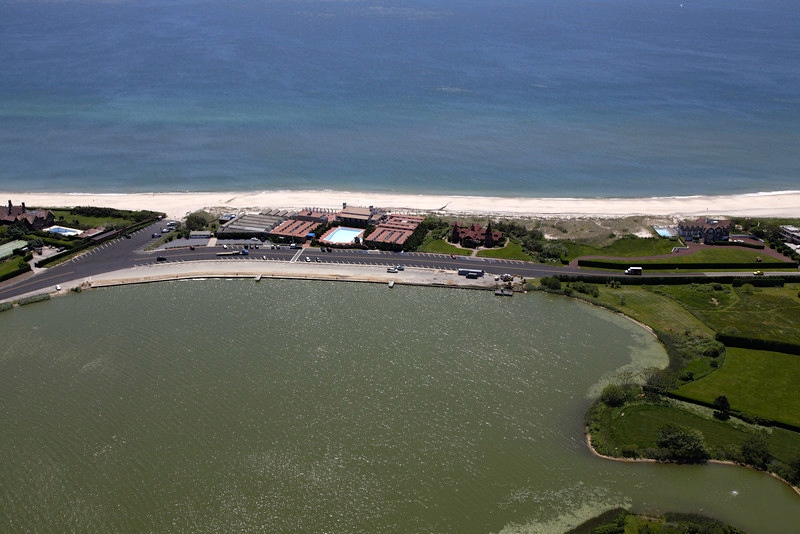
475,235
705,229
32,219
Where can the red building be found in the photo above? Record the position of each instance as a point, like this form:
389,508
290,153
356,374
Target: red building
475,235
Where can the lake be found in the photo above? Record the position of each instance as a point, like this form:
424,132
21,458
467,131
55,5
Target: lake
300,406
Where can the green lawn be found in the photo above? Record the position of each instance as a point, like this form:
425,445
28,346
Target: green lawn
89,222
637,426
11,264
440,246
760,383
628,247
727,255
512,251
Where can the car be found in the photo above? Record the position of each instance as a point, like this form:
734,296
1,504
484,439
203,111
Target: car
156,235
758,273
225,246
127,236
308,259
317,260
254,239
191,247
391,270
400,268
161,258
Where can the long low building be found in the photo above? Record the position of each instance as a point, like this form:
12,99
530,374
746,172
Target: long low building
394,230
254,223
294,230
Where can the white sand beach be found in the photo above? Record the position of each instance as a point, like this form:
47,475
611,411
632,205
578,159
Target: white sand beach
179,204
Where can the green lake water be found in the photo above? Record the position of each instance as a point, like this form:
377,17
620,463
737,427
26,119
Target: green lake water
298,406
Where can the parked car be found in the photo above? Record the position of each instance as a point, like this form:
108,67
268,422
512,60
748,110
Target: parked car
161,258
156,235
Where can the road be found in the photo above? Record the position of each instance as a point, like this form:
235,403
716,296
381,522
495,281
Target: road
124,253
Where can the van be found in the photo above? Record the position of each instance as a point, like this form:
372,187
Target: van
633,270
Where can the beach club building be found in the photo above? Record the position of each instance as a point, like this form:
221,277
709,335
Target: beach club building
300,226
360,217
393,231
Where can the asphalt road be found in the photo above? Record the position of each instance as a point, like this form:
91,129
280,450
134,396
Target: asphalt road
124,253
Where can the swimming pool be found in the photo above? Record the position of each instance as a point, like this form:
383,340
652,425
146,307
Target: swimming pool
342,235
63,230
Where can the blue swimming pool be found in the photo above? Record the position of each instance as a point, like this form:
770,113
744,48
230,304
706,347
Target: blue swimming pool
343,235
63,230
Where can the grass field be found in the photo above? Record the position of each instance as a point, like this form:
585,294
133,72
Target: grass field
657,311
512,251
756,382
761,313
88,222
629,247
637,427
440,246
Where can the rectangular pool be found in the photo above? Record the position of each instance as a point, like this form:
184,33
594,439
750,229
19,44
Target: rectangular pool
342,235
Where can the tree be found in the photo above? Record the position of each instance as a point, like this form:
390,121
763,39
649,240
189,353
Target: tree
755,451
196,221
722,408
682,445
613,395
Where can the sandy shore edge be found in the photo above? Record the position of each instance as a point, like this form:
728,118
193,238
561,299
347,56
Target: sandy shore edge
179,204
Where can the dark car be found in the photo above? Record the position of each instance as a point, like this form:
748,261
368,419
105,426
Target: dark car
161,258
156,234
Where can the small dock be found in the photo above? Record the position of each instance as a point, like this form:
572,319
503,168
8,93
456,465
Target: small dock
258,278
504,293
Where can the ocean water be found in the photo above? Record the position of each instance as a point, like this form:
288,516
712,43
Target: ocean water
539,98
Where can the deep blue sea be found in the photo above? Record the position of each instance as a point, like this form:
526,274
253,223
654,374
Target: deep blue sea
538,98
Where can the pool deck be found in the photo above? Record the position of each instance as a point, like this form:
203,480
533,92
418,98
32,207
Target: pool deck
353,232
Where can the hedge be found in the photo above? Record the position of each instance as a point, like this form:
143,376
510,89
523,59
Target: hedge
661,266
743,342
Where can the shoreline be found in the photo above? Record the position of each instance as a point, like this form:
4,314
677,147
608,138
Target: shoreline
654,461
179,204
